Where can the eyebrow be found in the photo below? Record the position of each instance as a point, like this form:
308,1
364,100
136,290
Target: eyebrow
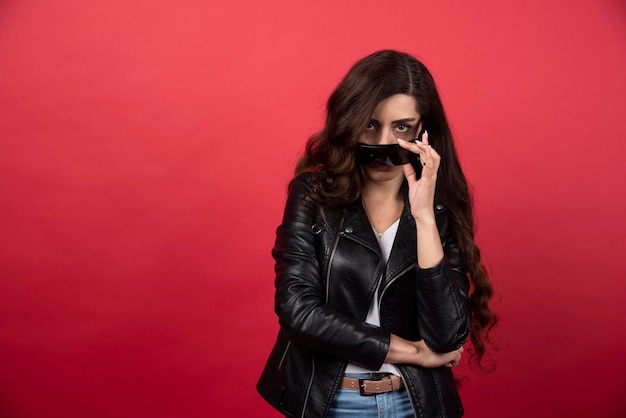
399,120
404,120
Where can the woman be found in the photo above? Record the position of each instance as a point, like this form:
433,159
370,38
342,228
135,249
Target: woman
374,260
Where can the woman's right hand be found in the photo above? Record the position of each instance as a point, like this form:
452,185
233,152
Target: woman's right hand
417,353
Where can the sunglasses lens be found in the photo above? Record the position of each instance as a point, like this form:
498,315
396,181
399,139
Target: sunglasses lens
391,154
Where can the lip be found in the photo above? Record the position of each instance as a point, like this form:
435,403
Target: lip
380,165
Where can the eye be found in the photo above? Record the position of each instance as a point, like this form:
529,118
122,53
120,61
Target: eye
370,126
402,127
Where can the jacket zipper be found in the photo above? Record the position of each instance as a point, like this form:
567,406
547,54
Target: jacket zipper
381,294
380,301
282,359
332,255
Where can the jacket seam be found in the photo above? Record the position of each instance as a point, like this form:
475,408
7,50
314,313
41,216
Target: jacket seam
308,391
439,395
417,412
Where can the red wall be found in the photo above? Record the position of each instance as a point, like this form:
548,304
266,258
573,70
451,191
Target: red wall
144,154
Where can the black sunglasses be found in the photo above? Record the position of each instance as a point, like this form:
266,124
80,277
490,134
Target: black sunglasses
390,154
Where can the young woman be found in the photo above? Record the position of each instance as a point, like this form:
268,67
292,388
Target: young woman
375,257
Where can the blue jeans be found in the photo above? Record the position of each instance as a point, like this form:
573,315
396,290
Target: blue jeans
350,403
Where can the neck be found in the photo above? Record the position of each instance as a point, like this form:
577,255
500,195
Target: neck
383,206
382,192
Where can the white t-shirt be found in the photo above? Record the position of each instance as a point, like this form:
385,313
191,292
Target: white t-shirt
385,240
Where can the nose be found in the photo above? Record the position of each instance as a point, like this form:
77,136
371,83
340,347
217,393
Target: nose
386,136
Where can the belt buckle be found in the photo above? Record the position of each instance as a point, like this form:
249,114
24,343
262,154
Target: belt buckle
374,378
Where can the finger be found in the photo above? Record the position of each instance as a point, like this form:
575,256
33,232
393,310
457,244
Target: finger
409,173
456,357
426,158
416,148
453,363
431,158
425,145
452,356
433,155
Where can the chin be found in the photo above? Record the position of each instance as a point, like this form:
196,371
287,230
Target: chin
384,173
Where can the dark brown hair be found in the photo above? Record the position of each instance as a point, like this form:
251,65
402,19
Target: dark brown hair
330,154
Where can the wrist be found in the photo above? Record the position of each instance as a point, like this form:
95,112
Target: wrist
424,219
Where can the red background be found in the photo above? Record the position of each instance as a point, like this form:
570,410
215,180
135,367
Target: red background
144,156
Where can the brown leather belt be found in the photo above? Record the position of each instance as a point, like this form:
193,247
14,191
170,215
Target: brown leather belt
373,385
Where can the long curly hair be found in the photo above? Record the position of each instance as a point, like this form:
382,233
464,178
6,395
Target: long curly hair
331,155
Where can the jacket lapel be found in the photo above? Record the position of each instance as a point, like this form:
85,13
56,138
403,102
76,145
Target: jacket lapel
404,250
358,228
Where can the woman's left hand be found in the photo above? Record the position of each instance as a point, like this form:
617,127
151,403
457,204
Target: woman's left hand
418,353
422,190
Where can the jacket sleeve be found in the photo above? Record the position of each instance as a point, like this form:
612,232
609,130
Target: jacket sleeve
442,295
300,301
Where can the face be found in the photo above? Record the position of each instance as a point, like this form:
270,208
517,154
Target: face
393,118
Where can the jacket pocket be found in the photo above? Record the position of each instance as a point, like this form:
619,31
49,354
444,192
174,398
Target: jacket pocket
271,384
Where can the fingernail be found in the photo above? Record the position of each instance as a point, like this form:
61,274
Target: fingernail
400,140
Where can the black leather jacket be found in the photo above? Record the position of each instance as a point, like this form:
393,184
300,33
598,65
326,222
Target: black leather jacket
328,266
